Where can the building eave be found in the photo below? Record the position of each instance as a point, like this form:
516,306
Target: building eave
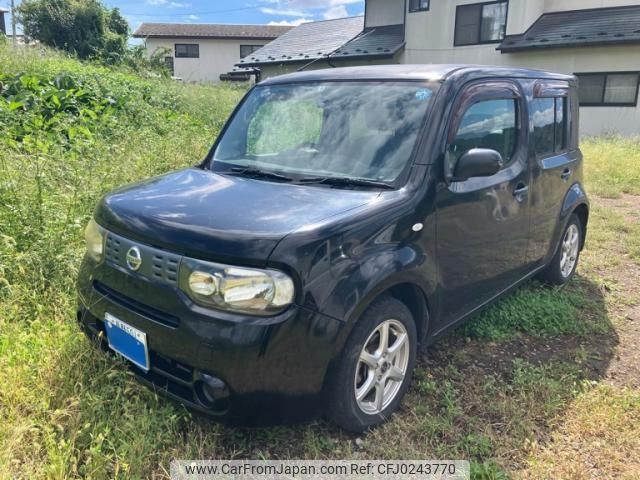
557,46
203,37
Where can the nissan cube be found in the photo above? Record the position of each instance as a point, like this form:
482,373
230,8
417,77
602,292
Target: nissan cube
343,218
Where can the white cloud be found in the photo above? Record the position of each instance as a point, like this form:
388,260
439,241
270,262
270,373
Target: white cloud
193,17
327,9
284,12
168,3
311,3
339,11
291,23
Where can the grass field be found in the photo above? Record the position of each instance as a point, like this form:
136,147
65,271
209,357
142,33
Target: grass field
546,384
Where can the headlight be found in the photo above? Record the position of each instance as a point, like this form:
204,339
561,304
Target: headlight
248,290
94,237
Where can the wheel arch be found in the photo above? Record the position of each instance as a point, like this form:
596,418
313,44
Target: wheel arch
406,291
582,212
416,301
410,293
575,201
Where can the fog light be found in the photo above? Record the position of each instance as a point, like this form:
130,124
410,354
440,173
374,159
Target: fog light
212,393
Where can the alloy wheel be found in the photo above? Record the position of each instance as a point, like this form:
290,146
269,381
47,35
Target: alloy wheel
570,248
382,367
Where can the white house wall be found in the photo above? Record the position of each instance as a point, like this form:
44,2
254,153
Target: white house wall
593,120
384,12
564,5
216,57
430,34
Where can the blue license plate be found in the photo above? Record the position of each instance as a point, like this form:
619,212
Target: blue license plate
128,341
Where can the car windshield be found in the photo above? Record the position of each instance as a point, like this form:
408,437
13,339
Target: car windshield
325,131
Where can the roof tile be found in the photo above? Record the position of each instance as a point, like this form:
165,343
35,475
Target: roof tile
308,41
382,41
578,28
210,30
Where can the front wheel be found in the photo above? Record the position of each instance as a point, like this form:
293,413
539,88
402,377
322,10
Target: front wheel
565,261
375,368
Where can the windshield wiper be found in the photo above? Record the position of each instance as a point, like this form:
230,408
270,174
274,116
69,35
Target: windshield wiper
256,172
346,182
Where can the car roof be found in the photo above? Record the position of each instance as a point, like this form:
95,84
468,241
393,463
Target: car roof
432,72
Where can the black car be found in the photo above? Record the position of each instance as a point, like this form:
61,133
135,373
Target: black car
343,218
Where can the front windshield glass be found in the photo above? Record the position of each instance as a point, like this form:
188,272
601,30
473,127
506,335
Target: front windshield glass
331,129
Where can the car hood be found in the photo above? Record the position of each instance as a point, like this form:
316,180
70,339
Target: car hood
219,217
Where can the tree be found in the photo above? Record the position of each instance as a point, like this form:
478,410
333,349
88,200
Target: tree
84,27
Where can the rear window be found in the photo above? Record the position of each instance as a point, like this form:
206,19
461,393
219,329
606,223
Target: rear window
550,125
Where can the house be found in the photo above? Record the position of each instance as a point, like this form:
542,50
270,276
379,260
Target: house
205,52
328,43
3,25
598,40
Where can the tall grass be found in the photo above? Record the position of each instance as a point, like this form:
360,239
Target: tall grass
55,163
612,166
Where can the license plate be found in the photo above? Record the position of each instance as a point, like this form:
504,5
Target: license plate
128,341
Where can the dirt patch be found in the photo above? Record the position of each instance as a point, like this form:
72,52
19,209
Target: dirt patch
593,354
624,369
627,205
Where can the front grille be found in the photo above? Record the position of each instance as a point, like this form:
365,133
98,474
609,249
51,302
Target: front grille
157,265
136,307
112,249
165,267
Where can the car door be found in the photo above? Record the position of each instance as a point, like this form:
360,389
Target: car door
483,222
554,158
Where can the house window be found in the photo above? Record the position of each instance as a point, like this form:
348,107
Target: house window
550,125
481,23
618,89
418,5
187,50
246,50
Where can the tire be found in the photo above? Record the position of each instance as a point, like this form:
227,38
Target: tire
558,272
352,374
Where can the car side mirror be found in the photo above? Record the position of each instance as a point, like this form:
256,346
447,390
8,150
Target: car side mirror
477,162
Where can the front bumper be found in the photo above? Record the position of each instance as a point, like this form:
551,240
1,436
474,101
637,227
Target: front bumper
254,370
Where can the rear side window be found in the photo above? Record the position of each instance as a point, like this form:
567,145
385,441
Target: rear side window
488,124
550,120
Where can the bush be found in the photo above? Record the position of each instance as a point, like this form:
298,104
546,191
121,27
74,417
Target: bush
83,27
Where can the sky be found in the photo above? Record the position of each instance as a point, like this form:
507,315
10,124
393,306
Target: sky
277,12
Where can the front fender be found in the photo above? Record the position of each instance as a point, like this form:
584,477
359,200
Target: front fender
344,262
360,281
365,279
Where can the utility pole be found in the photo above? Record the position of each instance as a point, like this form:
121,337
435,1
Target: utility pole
13,22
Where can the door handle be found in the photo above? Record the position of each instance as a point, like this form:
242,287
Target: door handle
520,190
566,174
